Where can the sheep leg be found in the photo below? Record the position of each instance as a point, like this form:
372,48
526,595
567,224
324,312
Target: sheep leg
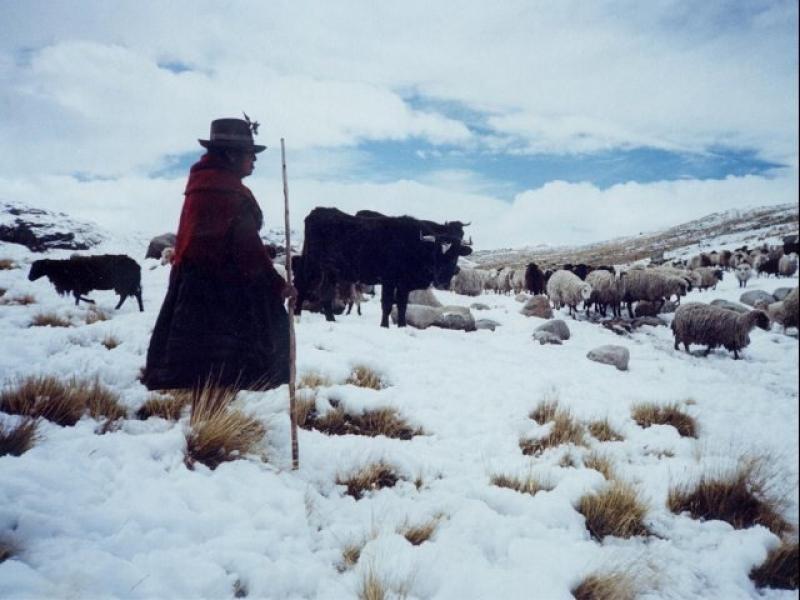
630,310
686,347
349,308
735,354
676,344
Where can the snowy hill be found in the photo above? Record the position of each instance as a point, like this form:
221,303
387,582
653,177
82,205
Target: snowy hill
86,514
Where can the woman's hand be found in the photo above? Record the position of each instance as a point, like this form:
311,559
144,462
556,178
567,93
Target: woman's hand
289,292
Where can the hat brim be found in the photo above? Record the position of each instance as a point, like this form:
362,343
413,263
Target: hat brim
232,146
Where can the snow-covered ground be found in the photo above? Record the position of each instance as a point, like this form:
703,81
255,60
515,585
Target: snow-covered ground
120,516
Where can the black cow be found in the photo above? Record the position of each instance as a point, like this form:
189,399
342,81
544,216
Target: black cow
400,253
534,279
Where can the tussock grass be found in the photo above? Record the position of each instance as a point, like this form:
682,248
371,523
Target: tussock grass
648,414
372,587
313,380
166,407
781,570
567,461
61,402
419,534
218,433
565,430
17,440
19,300
617,510
602,431
95,315
49,320
363,376
110,342
600,463
529,485
545,411
372,423
369,478
6,264
606,586
350,555
741,497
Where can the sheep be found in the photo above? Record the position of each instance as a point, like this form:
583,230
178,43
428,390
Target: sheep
167,255
651,285
709,277
699,260
725,259
767,265
787,265
534,279
566,288
791,306
693,279
79,275
784,312
743,272
606,290
517,281
712,326
468,282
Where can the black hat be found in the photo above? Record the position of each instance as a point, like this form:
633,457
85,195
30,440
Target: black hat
236,134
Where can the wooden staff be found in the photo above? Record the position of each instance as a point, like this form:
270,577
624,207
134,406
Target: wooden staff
292,343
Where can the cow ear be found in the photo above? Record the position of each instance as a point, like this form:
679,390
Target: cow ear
464,250
446,246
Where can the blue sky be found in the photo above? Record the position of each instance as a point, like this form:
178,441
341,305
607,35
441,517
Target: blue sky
492,113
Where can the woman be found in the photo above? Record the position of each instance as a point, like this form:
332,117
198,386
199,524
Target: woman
223,320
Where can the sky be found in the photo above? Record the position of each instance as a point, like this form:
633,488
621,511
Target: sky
538,122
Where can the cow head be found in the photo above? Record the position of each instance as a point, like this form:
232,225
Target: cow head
446,249
38,269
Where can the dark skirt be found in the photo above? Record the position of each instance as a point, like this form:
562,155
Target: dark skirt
210,330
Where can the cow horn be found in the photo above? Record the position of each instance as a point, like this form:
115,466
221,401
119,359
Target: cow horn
468,242
466,224
427,238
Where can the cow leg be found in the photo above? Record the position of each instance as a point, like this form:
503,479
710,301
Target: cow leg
139,300
349,308
79,297
327,308
402,304
122,299
358,306
387,299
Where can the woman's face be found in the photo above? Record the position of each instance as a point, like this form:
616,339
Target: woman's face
243,162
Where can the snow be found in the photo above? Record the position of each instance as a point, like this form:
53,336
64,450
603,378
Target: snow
120,516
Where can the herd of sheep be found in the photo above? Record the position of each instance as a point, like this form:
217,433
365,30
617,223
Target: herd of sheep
654,289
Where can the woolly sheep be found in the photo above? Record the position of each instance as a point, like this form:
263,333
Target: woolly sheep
787,265
79,275
712,326
606,290
469,282
651,285
517,280
743,273
709,277
167,255
784,312
566,288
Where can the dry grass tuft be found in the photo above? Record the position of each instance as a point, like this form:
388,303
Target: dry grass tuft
166,407
781,570
604,432
545,411
370,478
110,342
100,401
95,315
15,441
6,264
599,463
565,430
217,432
530,485
648,414
610,586
313,380
49,320
741,498
372,423
363,376
42,396
350,555
20,300
617,511
567,461
372,588
418,534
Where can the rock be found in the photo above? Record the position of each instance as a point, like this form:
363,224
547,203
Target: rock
722,303
652,321
546,337
424,298
557,327
781,293
456,317
158,243
521,297
487,324
645,309
419,315
619,326
479,306
538,306
41,230
753,296
611,355
670,306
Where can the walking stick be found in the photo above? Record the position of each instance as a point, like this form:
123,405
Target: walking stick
292,343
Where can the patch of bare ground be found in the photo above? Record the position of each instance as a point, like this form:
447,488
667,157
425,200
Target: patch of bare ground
616,510
49,320
168,407
741,497
564,430
370,478
218,433
363,376
600,463
647,414
528,485
602,431
781,569
372,423
18,300
605,586
63,403
18,439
